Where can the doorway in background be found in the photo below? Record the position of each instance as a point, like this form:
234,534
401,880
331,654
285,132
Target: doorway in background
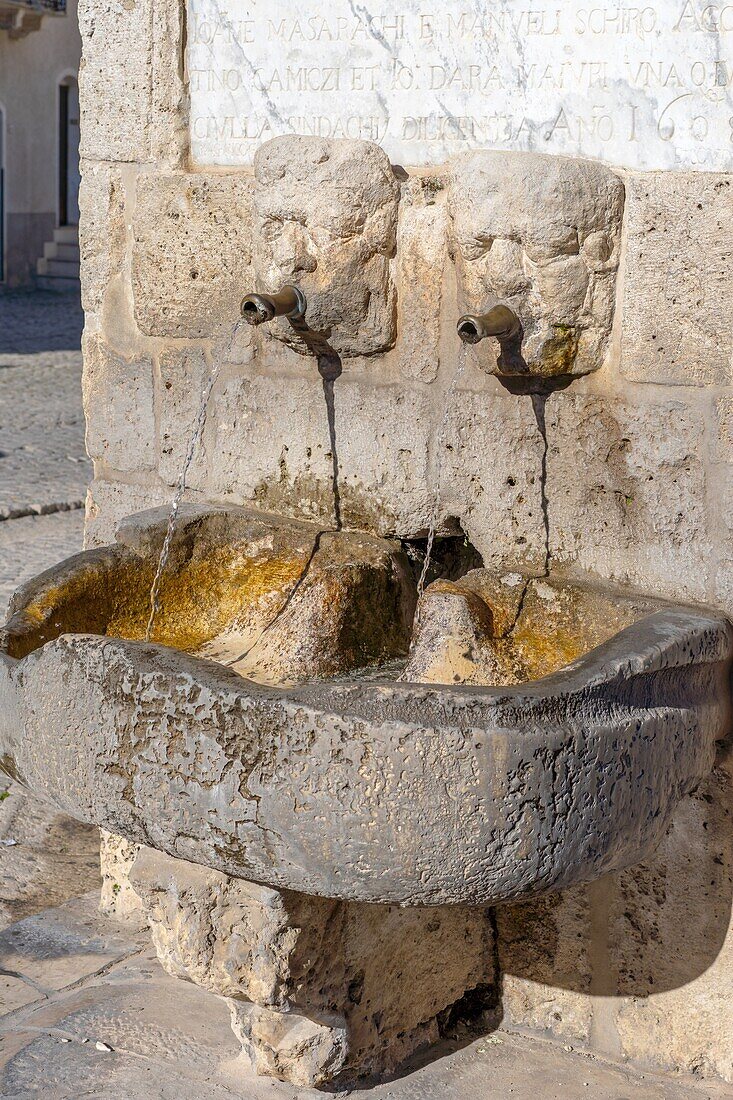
69,176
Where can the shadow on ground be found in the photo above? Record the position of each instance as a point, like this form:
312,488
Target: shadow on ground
34,321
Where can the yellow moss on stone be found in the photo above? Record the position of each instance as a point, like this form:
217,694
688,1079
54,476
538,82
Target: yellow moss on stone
198,598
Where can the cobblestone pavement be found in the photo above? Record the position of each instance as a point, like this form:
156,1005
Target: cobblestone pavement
38,322
44,470
34,543
87,1011
44,857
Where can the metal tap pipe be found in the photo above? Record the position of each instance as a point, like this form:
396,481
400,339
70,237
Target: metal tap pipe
290,302
500,321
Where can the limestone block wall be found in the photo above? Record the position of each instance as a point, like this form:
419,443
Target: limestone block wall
639,460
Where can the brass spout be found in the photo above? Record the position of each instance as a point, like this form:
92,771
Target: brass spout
289,302
500,321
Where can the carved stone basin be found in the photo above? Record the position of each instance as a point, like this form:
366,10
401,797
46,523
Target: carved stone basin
361,789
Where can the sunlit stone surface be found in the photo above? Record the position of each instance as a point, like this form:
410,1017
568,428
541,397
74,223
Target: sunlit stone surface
642,86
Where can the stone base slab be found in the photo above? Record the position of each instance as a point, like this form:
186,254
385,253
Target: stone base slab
170,1039
319,989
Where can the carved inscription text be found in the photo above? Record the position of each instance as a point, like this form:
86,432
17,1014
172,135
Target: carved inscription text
641,86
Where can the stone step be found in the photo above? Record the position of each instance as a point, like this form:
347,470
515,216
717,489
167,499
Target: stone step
57,284
52,250
61,269
66,234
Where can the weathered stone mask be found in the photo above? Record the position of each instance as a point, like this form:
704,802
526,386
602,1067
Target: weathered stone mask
541,234
325,219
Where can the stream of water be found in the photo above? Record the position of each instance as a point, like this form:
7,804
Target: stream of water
539,402
193,442
435,508
539,407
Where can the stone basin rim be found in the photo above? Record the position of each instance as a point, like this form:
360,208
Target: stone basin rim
626,653
487,729
384,792
632,653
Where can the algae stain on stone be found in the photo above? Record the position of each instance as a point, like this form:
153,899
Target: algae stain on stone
560,351
199,598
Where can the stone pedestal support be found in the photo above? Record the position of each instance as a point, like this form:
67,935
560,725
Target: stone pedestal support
318,988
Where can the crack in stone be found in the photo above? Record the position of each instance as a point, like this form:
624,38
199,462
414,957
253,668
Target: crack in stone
286,602
26,981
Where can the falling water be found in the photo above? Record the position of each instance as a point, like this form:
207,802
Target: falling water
435,510
193,443
330,369
539,406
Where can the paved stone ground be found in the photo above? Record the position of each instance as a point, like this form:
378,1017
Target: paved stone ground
44,858
34,543
71,980
44,470
38,322
43,465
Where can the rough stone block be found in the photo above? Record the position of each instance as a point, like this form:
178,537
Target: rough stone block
108,502
325,218
190,262
484,628
639,965
626,492
452,638
183,376
290,1047
723,587
101,230
678,286
351,606
492,459
385,436
228,935
317,985
724,424
541,234
114,79
117,855
289,470
381,436
421,255
119,407
671,939
383,448
723,485
546,962
721,478
168,108
237,347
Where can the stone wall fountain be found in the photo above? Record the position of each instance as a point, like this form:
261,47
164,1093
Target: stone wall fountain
290,814
430,672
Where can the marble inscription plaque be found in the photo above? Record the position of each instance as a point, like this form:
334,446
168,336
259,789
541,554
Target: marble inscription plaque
645,86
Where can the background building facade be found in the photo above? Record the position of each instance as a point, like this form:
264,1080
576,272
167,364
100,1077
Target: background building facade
39,143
